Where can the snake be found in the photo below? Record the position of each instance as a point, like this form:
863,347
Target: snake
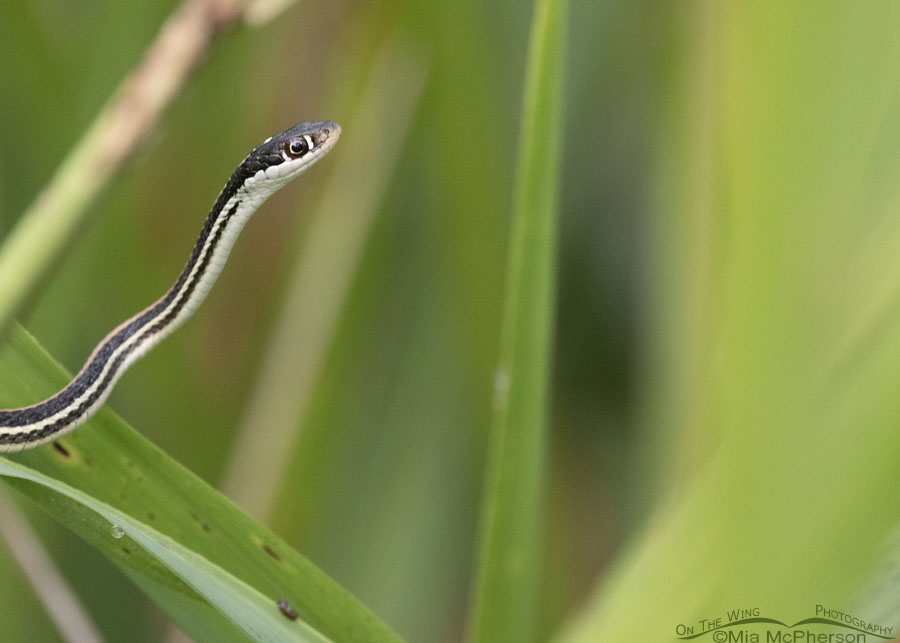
268,168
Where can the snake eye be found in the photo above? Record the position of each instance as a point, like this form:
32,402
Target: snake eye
297,147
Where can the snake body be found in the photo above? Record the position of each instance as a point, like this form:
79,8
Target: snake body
270,166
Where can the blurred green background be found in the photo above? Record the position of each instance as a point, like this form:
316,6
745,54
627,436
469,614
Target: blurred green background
727,334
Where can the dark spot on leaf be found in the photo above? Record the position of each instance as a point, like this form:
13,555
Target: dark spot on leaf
202,524
151,516
60,448
271,552
126,550
287,610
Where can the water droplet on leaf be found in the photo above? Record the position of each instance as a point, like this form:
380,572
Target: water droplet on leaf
501,387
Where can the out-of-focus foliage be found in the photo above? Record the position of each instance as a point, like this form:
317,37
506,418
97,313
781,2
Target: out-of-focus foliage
725,376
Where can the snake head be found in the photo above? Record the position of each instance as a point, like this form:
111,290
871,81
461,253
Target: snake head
301,139
283,156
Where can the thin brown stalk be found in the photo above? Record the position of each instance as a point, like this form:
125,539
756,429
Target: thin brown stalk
47,227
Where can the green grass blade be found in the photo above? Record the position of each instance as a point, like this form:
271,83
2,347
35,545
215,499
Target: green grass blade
253,613
192,547
509,578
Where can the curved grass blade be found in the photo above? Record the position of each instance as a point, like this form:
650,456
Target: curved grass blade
117,470
240,603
